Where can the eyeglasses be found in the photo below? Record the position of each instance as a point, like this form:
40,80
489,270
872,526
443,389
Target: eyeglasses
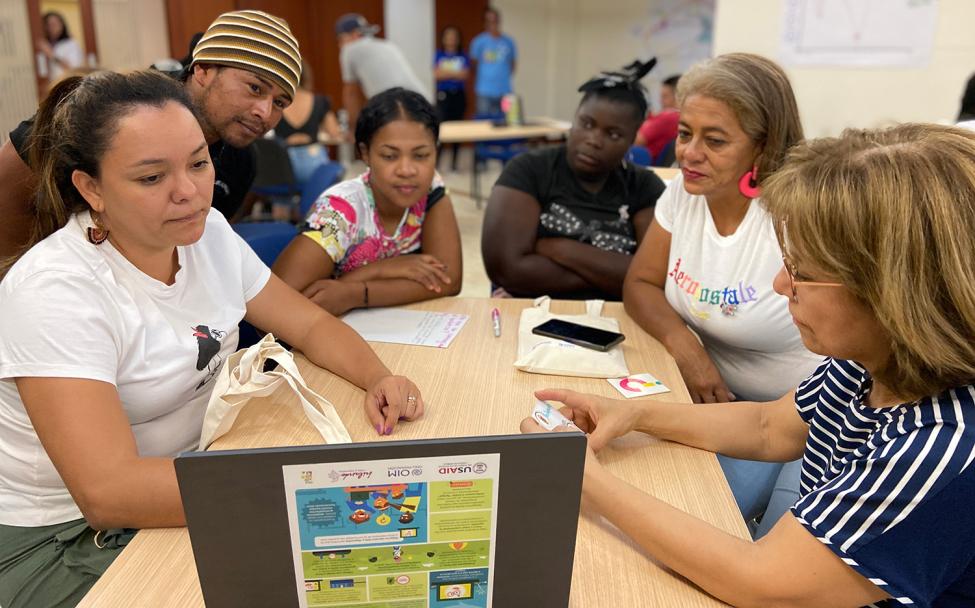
792,270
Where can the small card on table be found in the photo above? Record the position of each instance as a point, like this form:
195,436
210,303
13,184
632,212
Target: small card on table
638,385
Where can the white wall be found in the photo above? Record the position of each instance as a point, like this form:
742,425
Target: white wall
831,99
131,34
410,25
561,43
18,91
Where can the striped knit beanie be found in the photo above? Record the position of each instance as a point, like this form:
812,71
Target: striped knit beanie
253,41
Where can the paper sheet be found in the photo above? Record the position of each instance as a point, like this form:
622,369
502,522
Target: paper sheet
401,326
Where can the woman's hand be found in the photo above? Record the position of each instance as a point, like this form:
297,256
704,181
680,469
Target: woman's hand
529,425
337,297
423,268
601,418
391,399
703,380
43,46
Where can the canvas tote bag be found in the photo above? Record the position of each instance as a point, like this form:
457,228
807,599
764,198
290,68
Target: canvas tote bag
544,355
243,377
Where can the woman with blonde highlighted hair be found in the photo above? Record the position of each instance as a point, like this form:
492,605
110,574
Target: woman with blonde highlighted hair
701,281
878,238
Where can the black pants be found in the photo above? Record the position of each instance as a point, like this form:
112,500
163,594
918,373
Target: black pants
451,105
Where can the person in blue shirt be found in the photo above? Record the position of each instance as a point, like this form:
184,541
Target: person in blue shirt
451,69
877,231
494,56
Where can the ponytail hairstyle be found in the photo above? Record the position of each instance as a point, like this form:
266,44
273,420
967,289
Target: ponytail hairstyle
73,129
621,87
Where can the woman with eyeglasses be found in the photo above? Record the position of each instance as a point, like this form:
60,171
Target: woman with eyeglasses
879,277
701,281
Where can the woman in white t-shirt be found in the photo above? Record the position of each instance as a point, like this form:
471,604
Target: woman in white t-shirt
115,322
701,281
63,53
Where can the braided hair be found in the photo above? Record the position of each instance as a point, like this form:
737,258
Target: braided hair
621,87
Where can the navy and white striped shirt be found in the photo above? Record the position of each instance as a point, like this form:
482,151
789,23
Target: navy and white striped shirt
891,491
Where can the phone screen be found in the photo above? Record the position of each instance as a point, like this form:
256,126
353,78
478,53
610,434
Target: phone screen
582,335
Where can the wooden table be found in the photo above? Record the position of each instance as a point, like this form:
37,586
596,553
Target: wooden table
474,131
470,389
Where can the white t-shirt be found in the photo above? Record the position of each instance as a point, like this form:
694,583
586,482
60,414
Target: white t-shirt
68,51
721,286
71,309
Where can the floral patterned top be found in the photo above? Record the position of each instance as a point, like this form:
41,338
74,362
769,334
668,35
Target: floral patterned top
344,221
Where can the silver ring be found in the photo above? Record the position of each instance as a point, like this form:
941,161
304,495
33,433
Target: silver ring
411,400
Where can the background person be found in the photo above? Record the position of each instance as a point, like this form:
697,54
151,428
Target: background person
451,68
885,425
115,323
388,236
369,65
660,129
701,282
302,122
565,220
63,53
494,56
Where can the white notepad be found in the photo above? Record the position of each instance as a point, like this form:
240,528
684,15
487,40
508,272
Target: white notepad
401,326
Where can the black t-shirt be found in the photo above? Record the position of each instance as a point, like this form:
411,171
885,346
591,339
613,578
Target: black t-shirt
234,169
603,219
319,108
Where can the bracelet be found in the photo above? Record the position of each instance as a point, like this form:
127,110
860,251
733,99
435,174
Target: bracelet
365,294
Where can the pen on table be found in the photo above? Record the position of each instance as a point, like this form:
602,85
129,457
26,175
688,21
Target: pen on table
496,321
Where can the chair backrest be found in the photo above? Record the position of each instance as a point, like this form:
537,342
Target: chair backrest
639,155
667,157
321,179
267,239
499,149
273,165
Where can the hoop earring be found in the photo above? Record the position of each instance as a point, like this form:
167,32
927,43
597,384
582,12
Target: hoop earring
96,234
748,184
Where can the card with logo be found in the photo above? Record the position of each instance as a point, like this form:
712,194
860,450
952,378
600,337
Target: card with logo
638,385
548,417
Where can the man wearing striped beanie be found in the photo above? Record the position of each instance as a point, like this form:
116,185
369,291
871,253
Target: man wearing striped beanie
244,72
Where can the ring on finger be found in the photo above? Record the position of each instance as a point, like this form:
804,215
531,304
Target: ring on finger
411,401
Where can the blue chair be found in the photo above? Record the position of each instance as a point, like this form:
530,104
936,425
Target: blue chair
639,155
321,179
274,176
501,149
267,239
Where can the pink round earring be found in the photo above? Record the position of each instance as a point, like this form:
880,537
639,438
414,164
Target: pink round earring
748,184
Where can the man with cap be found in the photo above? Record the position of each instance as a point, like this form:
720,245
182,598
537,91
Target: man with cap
244,72
370,65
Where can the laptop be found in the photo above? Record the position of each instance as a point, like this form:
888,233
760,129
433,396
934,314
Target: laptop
447,523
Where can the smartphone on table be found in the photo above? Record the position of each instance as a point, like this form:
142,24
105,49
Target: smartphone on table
582,335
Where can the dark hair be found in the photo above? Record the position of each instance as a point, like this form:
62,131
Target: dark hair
967,111
671,81
64,25
393,104
73,128
460,36
621,87
494,11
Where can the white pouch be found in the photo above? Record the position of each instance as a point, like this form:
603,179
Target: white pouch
243,377
543,355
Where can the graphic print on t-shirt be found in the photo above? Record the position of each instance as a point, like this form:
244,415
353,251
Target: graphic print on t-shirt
208,354
727,298
608,236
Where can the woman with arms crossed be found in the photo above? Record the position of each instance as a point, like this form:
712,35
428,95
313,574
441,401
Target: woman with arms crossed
877,230
115,323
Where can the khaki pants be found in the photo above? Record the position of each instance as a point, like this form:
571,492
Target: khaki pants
53,566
